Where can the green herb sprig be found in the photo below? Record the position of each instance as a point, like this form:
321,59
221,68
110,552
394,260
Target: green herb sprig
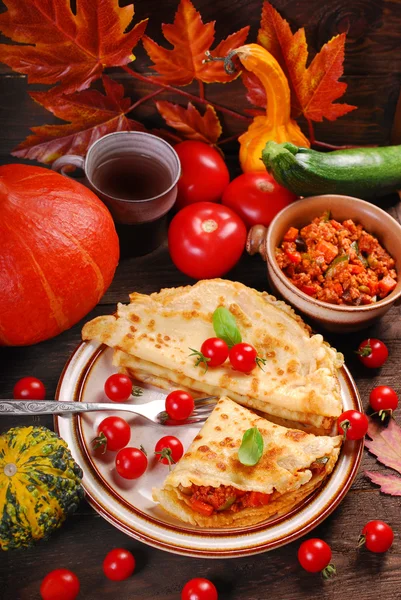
251,450
225,327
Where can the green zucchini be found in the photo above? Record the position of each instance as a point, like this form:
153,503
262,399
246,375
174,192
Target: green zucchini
361,172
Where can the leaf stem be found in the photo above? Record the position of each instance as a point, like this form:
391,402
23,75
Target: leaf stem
192,97
228,139
334,147
201,89
312,138
145,99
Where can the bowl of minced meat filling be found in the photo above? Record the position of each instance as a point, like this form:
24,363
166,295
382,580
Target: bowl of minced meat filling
337,262
336,259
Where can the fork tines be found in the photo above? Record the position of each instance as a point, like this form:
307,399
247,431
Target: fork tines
204,406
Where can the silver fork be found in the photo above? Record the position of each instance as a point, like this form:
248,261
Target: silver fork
154,411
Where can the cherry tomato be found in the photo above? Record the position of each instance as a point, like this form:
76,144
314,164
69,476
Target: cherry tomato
179,405
314,555
383,399
353,424
215,351
131,463
29,388
60,584
204,174
256,198
243,357
372,353
206,240
169,450
118,387
119,564
377,536
199,589
113,434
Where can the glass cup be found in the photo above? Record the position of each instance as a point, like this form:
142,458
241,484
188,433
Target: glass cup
135,174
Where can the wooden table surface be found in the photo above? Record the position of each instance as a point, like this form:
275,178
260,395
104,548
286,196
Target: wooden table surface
81,544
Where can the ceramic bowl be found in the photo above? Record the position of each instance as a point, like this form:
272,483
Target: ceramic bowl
339,318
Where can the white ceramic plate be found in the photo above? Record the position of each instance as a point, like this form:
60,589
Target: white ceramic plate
128,504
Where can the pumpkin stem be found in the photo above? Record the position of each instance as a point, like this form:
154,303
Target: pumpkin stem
229,65
10,469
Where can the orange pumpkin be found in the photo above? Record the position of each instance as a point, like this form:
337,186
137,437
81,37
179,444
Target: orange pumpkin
58,253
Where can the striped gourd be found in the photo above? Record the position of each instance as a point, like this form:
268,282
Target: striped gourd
40,484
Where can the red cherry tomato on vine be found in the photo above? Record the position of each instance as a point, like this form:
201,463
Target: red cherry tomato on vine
131,463
119,564
383,400
377,536
60,584
243,357
256,198
118,387
29,388
169,450
199,589
215,350
206,240
179,405
314,555
353,423
204,174
113,434
372,353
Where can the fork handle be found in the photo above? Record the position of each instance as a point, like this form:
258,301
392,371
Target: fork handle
51,407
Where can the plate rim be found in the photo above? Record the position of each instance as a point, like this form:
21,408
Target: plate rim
170,546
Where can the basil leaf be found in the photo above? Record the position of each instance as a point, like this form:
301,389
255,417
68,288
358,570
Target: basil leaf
251,449
225,327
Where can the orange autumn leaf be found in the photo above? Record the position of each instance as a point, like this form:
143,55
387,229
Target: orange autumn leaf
191,39
314,88
91,115
190,123
66,48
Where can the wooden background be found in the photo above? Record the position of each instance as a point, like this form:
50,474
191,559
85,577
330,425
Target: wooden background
373,70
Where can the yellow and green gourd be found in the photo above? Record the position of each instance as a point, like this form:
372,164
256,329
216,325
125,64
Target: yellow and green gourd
40,485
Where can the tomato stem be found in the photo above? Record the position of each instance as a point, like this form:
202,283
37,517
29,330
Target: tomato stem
166,453
100,442
365,351
260,361
143,450
200,358
345,425
329,571
361,541
137,391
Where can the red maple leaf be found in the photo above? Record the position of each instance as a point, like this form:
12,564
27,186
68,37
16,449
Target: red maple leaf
190,123
91,115
191,39
66,48
314,88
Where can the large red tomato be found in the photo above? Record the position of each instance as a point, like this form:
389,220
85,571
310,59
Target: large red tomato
58,253
204,174
206,240
256,198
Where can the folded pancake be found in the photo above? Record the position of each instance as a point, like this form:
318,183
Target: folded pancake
210,487
153,336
